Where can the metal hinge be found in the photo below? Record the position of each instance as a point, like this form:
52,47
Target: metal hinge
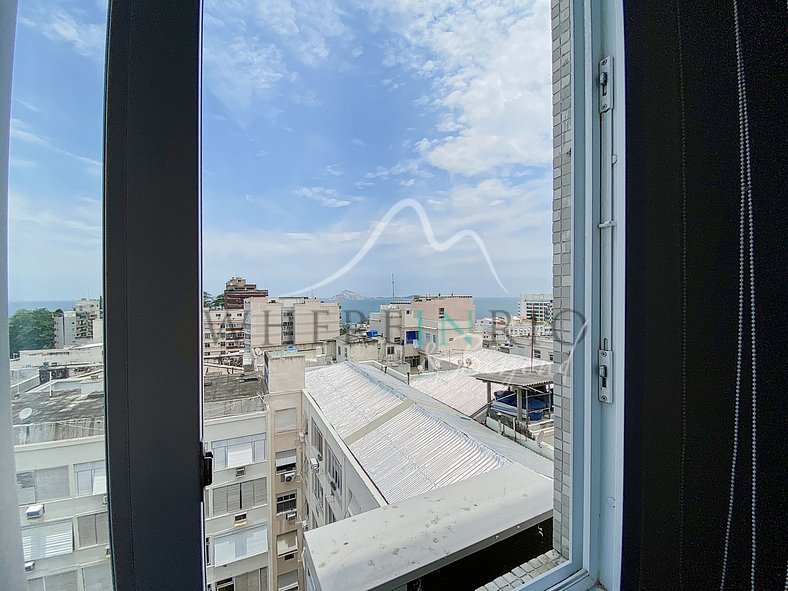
206,467
605,84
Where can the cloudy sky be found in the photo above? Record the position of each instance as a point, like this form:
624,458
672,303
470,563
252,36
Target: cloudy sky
320,118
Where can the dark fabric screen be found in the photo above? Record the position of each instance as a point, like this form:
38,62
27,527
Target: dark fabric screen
683,257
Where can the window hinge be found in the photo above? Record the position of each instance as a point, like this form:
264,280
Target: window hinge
605,376
605,84
206,467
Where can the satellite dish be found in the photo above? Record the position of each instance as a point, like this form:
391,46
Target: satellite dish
420,368
436,364
468,361
25,413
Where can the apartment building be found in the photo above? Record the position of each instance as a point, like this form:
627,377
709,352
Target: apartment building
305,322
62,486
223,334
536,306
237,504
413,329
82,325
237,290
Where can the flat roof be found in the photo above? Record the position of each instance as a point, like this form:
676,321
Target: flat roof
387,547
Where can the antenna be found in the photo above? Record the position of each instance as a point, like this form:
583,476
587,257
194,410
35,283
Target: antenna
393,297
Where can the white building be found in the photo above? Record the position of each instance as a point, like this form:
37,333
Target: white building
270,324
62,487
223,334
538,306
65,329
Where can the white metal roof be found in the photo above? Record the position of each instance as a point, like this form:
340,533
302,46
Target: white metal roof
458,388
411,452
348,398
486,360
416,452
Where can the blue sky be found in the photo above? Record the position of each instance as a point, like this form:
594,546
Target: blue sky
318,118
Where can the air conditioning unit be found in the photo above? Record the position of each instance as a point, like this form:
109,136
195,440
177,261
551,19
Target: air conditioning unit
30,566
34,511
288,477
302,437
314,465
107,551
104,500
289,556
291,516
305,525
240,471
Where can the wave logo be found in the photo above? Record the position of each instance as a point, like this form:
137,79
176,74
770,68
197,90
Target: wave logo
429,233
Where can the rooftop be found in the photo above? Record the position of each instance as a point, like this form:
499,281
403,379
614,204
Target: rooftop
406,442
398,543
459,388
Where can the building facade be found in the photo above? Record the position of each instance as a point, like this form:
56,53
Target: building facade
237,290
536,306
270,324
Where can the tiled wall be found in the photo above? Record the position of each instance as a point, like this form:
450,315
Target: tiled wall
562,268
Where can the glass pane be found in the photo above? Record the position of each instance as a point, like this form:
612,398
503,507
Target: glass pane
55,288
378,230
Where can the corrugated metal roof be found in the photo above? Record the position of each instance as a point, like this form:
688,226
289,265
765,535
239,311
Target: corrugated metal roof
459,388
348,398
412,452
415,452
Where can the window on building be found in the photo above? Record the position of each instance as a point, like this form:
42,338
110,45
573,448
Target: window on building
287,581
46,484
286,460
317,438
92,529
317,489
286,502
97,577
238,451
66,581
256,580
239,496
334,473
285,419
48,539
91,478
240,544
286,543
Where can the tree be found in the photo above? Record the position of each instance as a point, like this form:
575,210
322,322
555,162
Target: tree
207,299
218,301
31,329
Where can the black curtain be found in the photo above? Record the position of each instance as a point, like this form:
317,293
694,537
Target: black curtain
683,273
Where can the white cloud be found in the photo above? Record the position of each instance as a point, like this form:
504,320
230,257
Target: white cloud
490,65
334,170
21,131
322,195
358,142
71,26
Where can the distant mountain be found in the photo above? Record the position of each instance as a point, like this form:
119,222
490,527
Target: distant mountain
346,296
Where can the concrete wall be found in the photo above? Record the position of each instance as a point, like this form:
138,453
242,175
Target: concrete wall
93,354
